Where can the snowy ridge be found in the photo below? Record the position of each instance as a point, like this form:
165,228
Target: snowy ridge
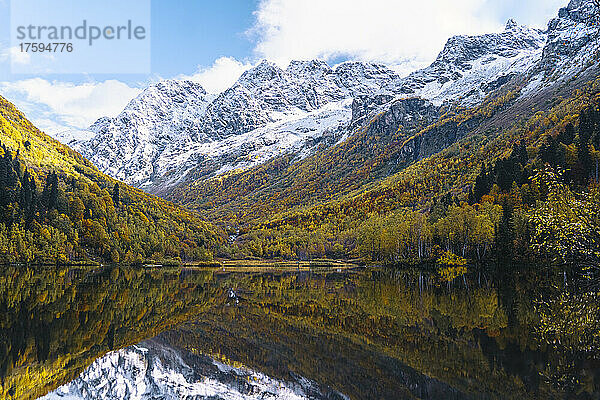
165,117
152,370
174,132
572,44
470,67
174,126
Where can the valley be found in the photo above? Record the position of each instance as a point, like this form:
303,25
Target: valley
312,229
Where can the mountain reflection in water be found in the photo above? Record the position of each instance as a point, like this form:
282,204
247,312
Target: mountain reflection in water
363,333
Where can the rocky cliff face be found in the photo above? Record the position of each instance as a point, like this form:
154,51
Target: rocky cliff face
572,43
175,131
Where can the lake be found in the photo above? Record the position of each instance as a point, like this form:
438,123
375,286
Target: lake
318,333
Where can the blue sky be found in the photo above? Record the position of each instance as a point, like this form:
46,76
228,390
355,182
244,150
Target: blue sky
213,42
185,35
198,32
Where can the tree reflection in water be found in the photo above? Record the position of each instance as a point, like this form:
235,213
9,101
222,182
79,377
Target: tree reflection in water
368,333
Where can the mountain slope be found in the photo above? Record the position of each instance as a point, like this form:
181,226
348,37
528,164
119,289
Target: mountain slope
386,133
152,369
471,67
415,161
165,118
56,206
171,135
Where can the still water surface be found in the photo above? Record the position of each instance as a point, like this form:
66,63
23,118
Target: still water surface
332,334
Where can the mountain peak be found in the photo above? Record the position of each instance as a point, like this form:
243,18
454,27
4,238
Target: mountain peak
171,86
303,68
463,48
315,63
580,11
166,94
263,72
366,70
511,24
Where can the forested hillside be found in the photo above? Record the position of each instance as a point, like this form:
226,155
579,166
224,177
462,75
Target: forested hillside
411,130
405,177
411,177
471,184
474,198
56,207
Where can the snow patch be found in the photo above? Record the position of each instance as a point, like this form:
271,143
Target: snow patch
153,371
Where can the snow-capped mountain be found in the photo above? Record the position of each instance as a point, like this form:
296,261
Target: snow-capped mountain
153,370
174,131
471,67
267,93
174,127
572,46
166,117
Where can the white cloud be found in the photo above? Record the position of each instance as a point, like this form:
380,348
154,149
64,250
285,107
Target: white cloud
404,33
224,72
50,126
389,31
17,57
56,106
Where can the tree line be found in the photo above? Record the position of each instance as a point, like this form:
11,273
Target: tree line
496,219
66,217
